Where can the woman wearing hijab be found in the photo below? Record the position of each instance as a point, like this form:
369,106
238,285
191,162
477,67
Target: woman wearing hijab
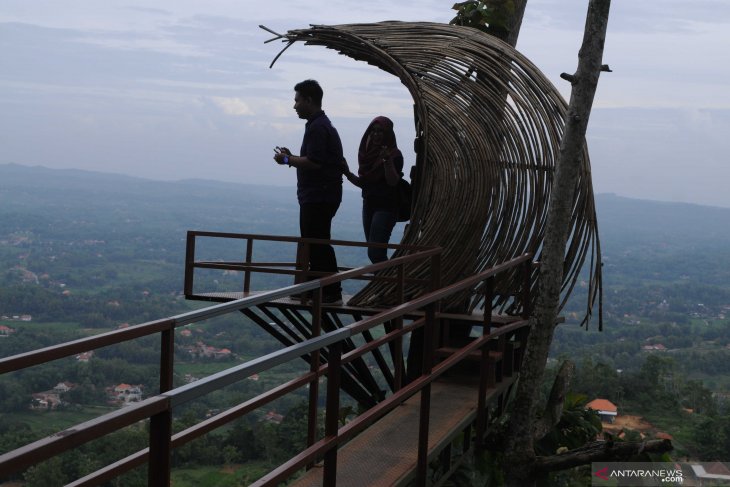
380,166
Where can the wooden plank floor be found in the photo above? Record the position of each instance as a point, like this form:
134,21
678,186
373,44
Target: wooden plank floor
386,453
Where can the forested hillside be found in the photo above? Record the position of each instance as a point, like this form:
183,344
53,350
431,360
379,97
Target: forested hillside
83,252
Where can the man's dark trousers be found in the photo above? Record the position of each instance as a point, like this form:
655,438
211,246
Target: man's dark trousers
315,221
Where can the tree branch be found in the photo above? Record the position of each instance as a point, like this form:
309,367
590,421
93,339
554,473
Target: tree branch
600,451
569,77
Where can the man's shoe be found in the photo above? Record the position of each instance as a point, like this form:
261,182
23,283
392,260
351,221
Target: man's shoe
333,298
303,297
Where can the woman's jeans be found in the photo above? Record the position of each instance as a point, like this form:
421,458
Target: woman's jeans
378,225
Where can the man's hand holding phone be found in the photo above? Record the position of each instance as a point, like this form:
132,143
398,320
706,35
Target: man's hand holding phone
281,155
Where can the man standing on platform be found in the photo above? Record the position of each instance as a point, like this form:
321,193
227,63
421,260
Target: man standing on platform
319,179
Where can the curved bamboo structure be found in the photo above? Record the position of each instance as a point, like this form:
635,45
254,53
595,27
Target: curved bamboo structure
488,127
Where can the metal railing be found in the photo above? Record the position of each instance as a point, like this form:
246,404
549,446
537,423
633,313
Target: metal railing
158,409
297,268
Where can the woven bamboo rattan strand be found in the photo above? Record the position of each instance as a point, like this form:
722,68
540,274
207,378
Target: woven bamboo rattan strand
488,127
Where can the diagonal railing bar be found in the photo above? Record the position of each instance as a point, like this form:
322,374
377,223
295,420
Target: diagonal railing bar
238,304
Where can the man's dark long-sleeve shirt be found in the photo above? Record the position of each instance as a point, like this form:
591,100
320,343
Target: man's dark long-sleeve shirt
321,145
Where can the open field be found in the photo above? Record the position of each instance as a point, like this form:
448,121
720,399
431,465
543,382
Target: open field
59,420
628,421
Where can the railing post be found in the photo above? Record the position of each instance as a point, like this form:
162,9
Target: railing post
488,299
247,272
332,415
435,272
466,443
435,285
158,472
303,250
189,263
314,364
159,464
484,368
398,343
425,404
524,332
401,291
422,463
526,284
430,329
167,358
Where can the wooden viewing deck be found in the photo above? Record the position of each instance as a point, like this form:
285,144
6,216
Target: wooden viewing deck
396,449
386,453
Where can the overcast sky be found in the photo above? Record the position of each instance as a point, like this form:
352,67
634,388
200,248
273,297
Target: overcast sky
178,89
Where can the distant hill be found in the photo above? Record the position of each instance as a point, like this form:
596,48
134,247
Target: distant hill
76,195
30,189
627,221
215,205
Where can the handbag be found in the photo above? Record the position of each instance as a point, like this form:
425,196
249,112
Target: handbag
404,200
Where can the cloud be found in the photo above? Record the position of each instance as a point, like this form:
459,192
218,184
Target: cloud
154,91
662,154
148,10
644,17
129,41
233,106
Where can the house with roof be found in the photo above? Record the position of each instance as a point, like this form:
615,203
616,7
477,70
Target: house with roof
6,331
222,353
85,356
273,417
127,393
202,350
63,387
606,410
45,400
51,399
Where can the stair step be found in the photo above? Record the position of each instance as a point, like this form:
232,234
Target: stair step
494,356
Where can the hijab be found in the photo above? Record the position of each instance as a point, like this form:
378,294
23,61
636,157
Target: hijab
369,157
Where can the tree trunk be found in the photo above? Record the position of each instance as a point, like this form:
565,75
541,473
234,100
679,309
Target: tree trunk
516,22
520,454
